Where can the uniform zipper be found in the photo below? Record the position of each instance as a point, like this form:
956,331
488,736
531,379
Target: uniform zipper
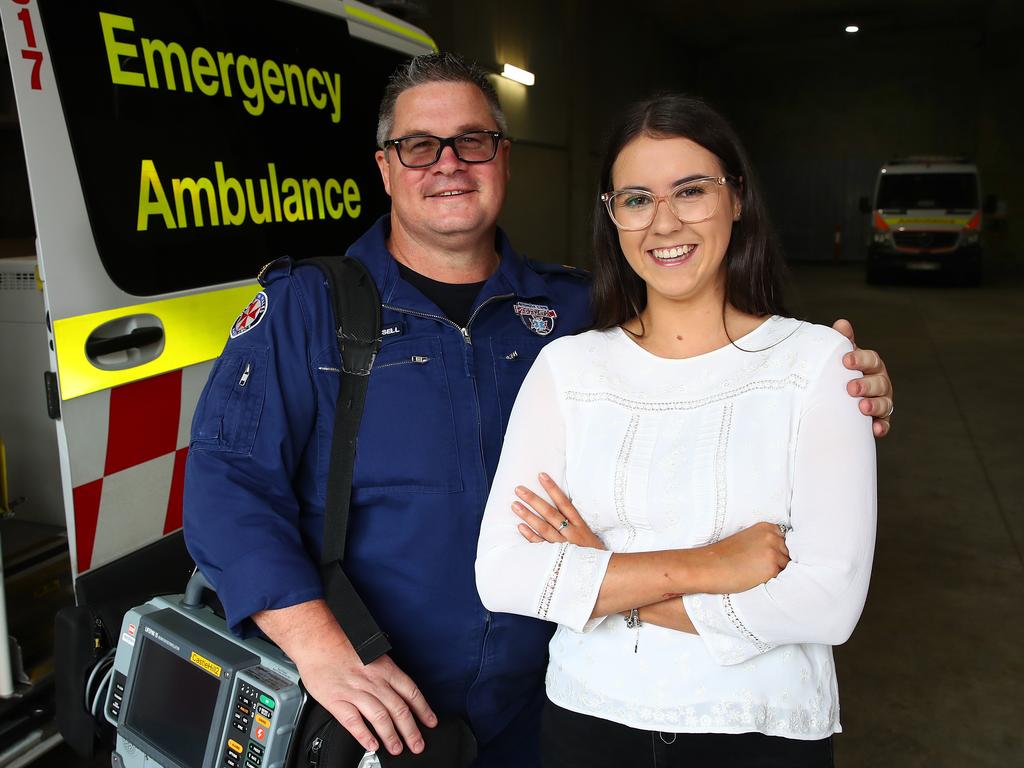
442,319
245,375
417,359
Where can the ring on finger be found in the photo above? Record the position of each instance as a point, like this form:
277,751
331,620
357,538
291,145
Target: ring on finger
563,525
783,528
892,407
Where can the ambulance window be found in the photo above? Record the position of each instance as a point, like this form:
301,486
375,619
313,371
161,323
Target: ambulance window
928,190
229,139
17,230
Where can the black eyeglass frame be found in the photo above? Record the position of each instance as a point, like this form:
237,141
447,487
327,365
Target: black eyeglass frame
496,137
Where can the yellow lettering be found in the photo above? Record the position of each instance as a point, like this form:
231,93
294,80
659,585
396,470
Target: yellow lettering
225,61
353,202
334,89
332,188
309,186
153,48
226,186
258,215
272,81
293,201
253,90
292,76
203,66
115,50
155,204
318,100
193,188
275,194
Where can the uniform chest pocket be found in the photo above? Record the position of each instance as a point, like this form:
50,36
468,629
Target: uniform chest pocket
407,434
228,413
513,357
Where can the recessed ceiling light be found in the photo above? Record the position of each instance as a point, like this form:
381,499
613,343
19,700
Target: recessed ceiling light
853,28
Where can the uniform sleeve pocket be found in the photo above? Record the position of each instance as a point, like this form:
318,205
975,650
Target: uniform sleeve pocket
228,413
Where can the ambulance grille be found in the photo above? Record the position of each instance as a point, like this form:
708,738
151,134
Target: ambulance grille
926,240
17,281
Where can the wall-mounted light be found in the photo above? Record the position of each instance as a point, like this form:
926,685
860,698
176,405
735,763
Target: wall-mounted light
853,29
517,74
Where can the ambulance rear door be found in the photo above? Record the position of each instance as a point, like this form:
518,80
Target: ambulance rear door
174,147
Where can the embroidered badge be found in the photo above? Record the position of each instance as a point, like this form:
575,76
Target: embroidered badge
250,316
537,317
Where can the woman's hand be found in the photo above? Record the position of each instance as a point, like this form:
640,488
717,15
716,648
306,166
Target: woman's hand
742,561
555,524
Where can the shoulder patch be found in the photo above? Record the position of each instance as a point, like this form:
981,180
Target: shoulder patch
251,315
539,318
544,268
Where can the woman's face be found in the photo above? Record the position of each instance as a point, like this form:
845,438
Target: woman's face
680,262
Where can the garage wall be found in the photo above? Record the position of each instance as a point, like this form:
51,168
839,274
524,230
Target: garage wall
819,110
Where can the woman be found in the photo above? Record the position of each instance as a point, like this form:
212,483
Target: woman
720,531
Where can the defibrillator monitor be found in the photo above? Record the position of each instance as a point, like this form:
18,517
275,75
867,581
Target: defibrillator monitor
163,678
185,693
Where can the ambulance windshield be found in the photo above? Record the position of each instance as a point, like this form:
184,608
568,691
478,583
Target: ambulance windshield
947,191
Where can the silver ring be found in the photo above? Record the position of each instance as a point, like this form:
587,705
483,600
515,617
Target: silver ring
563,525
892,407
783,528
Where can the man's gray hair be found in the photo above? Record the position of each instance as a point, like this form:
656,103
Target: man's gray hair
434,68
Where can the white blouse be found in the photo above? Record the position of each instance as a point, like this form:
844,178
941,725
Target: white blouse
663,454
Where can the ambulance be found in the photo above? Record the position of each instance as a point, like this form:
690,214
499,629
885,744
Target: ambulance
926,217
173,147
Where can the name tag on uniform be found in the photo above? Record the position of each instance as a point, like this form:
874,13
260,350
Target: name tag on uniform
395,329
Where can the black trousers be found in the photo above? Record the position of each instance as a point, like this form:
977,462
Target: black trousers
572,740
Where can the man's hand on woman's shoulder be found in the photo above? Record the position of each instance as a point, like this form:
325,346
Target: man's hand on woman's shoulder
875,387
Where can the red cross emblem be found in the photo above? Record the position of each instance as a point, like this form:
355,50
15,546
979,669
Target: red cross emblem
250,316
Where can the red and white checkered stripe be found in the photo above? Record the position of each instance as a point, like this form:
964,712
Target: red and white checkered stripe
127,448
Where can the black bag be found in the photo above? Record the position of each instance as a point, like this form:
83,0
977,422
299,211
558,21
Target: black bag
325,744
320,741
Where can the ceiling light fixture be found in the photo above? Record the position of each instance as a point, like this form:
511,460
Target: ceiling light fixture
517,74
853,28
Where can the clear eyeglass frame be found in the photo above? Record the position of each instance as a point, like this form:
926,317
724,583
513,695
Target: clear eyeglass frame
451,141
608,198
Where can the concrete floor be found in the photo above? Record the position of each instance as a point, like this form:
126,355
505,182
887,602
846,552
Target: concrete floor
933,674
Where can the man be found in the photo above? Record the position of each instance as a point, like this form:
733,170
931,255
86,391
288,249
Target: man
463,316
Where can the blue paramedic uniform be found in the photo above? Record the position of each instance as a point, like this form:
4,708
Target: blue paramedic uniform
437,405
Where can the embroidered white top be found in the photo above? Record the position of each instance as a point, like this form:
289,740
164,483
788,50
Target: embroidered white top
661,454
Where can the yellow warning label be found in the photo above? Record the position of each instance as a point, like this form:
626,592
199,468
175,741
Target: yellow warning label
206,664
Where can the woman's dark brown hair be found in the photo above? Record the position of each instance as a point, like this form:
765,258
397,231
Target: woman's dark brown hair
754,266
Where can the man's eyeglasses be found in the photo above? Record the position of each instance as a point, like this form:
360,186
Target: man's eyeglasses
422,150
691,202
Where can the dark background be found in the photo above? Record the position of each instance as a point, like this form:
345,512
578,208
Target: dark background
819,109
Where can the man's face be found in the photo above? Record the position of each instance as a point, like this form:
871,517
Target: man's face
451,200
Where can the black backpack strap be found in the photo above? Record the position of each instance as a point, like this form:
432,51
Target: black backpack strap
357,312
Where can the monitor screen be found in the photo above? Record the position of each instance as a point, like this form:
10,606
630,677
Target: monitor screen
172,704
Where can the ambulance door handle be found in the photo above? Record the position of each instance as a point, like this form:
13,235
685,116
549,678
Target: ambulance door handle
125,342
